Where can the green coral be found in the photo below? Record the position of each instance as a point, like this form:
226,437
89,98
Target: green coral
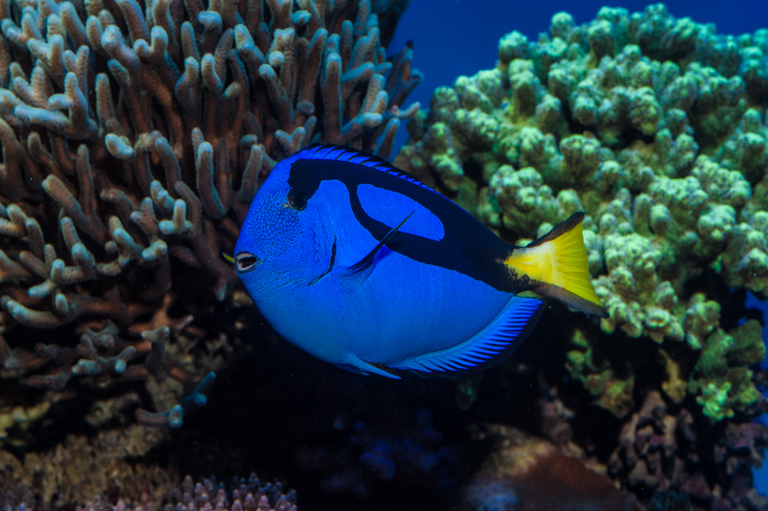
655,128
721,378
475,128
525,201
713,400
586,364
636,300
442,159
745,259
700,319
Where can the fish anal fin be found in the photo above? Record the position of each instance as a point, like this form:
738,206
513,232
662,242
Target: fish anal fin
486,348
362,367
391,373
362,269
557,267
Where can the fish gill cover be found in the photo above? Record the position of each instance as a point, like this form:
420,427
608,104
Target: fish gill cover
134,138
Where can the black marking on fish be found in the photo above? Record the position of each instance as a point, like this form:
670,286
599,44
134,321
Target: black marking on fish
467,247
330,265
362,269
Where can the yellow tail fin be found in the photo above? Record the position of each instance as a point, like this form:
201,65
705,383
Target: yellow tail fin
557,265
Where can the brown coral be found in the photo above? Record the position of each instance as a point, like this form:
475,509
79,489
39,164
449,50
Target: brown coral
134,138
661,449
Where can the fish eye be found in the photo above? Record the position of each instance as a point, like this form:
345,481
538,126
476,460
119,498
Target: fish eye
296,199
245,262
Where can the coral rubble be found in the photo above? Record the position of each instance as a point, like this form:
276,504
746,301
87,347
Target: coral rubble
80,468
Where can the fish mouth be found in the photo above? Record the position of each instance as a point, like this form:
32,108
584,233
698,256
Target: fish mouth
330,265
246,262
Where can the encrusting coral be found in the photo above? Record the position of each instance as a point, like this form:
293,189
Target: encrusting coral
655,127
134,137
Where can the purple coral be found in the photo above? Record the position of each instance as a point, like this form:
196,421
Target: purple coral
242,495
666,453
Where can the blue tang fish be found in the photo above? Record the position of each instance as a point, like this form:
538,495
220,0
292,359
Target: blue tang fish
363,266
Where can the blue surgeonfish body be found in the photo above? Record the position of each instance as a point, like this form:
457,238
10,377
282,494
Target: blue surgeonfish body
361,265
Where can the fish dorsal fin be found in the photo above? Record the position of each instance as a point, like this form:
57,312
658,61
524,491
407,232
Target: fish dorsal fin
362,269
486,348
334,152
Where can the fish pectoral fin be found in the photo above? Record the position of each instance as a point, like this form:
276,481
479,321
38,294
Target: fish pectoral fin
362,367
362,269
486,348
330,264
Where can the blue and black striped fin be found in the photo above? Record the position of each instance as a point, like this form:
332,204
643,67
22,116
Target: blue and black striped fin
489,347
332,152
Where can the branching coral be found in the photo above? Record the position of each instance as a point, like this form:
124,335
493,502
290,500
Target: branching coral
654,126
134,138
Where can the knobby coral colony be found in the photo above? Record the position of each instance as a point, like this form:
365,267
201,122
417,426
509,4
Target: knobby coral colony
134,138
656,128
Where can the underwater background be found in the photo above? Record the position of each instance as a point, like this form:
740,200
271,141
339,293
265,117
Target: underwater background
135,135
482,23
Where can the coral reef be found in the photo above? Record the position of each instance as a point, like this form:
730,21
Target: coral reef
243,494
80,468
655,127
133,140
662,452
134,136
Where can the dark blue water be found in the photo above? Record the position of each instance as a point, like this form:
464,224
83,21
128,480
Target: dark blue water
460,37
